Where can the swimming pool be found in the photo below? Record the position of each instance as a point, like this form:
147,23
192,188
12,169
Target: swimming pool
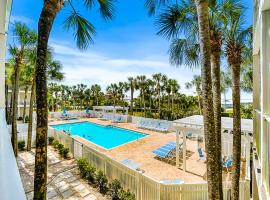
107,137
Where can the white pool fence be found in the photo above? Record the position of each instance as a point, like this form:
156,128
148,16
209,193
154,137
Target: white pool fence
144,187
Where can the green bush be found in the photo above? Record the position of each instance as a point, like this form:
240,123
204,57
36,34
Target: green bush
26,119
60,146
82,165
50,139
55,144
64,152
90,174
126,195
21,145
115,188
224,114
102,182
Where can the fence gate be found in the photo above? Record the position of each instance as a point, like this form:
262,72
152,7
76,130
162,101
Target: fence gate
77,149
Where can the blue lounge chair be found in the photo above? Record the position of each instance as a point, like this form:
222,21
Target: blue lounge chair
166,150
130,164
201,154
227,164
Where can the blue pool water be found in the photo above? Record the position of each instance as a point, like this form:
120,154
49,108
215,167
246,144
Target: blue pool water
107,137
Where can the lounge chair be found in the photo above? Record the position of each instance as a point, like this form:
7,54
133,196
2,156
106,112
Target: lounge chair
65,115
201,154
87,113
118,119
227,164
130,164
172,182
166,151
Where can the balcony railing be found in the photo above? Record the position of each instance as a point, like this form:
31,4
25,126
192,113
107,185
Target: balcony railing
10,180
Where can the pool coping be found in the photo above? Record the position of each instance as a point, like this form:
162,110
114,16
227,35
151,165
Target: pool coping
107,149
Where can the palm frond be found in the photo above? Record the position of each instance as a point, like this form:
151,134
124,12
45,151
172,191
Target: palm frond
184,52
153,5
106,8
175,20
83,30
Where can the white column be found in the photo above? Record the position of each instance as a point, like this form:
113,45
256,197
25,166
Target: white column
265,87
2,67
177,148
184,150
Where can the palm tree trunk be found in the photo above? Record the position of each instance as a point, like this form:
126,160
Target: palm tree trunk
6,99
236,130
24,102
48,13
11,105
215,66
30,124
159,103
199,102
15,104
144,107
131,101
208,113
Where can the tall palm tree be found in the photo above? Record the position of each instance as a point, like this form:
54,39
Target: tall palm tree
25,38
236,38
112,91
96,90
208,112
54,74
157,78
141,82
196,82
83,31
131,86
226,82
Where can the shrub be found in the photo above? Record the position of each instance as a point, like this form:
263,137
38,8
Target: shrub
64,152
55,144
51,139
26,119
20,118
126,195
102,182
90,173
21,145
115,188
60,146
82,165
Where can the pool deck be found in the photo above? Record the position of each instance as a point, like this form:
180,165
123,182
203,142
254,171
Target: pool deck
141,152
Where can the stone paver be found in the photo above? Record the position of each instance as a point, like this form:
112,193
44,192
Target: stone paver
64,181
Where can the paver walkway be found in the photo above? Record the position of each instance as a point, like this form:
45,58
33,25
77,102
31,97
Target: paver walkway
64,181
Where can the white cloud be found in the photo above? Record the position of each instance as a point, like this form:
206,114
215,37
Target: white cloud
93,67
22,19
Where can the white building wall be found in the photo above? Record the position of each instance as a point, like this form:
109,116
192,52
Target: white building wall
261,98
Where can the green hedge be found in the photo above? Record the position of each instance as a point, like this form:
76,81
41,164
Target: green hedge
98,179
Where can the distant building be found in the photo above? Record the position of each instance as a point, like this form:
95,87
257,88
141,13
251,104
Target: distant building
21,96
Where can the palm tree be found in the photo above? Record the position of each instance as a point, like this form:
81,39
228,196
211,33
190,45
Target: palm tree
83,31
25,38
236,38
54,74
112,91
226,82
158,79
131,86
196,82
96,90
208,112
141,82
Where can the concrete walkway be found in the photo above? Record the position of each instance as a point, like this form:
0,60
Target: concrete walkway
64,181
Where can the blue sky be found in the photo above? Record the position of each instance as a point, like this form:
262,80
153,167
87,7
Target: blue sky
126,46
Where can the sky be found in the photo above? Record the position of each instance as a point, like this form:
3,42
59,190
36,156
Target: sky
126,46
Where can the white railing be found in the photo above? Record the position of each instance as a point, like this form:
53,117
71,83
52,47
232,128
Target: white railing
141,185
10,180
